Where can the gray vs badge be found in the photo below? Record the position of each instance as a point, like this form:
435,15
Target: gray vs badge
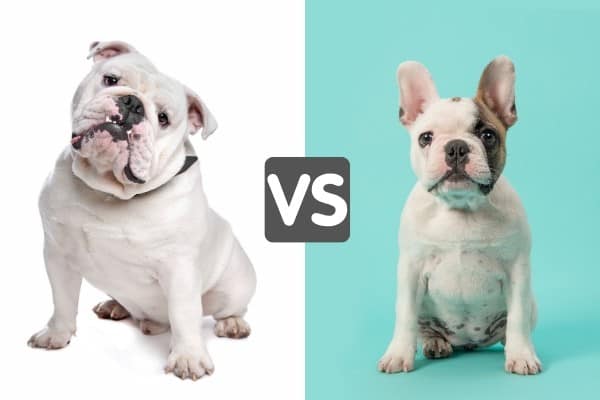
307,199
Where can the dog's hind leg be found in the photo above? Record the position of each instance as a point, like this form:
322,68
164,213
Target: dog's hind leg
436,347
150,327
228,300
111,309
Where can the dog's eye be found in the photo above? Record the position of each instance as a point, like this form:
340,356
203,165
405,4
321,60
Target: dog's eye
163,119
488,137
110,80
425,138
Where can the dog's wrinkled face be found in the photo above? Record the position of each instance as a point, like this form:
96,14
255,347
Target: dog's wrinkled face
130,121
459,144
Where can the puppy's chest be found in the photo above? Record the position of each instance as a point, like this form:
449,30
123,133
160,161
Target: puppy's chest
469,265
461,275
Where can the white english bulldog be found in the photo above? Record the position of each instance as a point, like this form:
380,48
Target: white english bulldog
464,270
124,208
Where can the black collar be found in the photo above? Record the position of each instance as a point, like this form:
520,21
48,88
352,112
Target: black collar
189,161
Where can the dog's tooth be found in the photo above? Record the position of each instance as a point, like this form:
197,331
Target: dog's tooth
107,119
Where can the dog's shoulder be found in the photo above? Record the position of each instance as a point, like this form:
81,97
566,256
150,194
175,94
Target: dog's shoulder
60,183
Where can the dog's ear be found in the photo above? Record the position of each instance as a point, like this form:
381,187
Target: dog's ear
199,116
417,90
497,89
104,50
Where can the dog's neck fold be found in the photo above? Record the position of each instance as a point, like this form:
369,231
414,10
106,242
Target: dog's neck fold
179,161
461,201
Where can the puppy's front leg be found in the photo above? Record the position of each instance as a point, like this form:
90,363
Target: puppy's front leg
188,357
520,354
400,354
66,284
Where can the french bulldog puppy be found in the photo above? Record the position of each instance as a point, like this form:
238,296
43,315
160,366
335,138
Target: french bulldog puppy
124,208
464,277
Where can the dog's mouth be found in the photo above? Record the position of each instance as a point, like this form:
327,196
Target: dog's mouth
113,125
459,179
118,129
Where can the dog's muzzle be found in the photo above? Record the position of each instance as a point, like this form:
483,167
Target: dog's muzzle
119,127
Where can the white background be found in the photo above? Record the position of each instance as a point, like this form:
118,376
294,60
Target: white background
246,60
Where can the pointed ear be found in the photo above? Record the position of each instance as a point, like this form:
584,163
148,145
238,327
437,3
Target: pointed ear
497,89
199,116
417,90
104,50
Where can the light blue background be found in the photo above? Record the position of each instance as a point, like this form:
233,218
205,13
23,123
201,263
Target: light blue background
553,162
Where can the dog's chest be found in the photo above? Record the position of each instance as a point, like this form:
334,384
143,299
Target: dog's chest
129,253
122,247
459,275
120,259
127,260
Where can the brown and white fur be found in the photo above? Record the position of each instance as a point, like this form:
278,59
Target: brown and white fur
464,269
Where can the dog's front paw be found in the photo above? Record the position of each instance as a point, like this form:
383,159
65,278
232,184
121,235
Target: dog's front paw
523,362
50,338
189,362
397,359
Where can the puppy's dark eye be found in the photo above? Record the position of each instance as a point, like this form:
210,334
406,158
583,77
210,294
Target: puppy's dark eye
488,137
425,138
110,80
163,119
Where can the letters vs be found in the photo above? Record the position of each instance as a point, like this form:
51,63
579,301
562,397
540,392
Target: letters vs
307,199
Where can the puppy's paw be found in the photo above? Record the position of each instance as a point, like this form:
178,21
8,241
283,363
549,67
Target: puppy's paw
192,362
397,359
111,309
232,327
50,339
522,363
436,347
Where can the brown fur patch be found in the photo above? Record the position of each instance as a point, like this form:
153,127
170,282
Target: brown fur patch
488,76
455,99
497,155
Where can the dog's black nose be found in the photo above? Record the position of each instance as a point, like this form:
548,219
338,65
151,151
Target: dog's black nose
132,105
456,153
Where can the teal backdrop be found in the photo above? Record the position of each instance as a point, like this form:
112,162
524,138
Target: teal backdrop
352,51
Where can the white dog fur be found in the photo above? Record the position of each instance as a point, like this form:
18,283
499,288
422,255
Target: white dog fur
464,268
155,246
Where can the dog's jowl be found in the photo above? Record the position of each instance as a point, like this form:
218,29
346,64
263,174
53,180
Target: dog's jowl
464,269
124,208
